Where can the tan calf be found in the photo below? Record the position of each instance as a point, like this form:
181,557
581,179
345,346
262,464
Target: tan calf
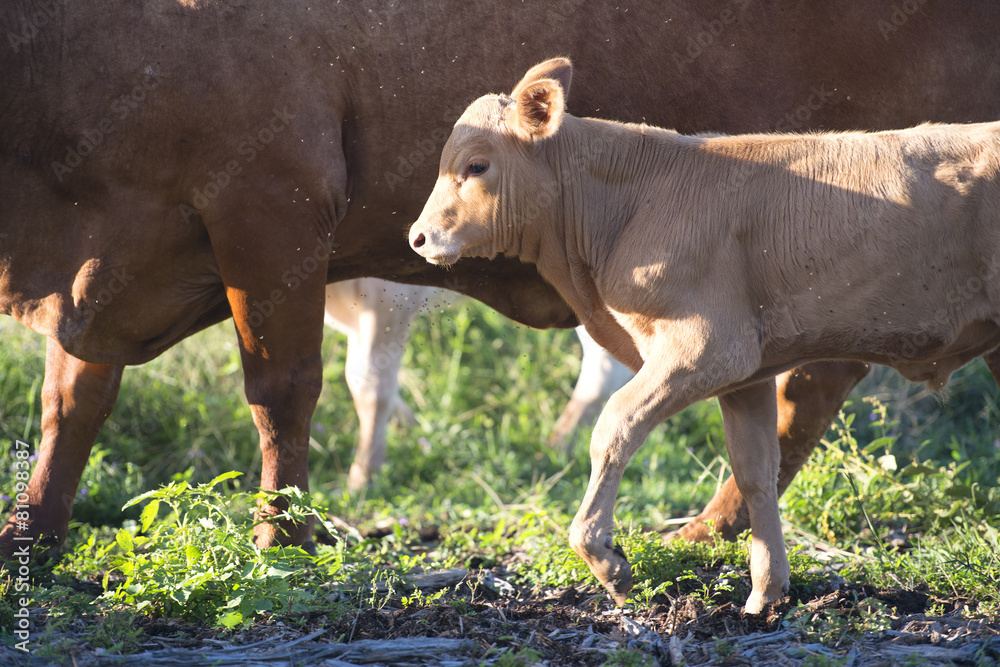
712,263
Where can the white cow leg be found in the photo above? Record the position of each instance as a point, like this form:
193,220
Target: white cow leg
374,395
377,329
750,419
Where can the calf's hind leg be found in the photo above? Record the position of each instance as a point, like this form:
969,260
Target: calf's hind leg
749,416
808,400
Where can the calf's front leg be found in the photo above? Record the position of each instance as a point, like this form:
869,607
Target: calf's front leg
661,388
654,394
749,416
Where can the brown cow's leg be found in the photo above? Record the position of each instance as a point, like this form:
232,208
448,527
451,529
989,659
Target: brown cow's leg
76,399
284,374
808,400
275,283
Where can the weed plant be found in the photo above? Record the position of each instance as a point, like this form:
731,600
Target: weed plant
199,561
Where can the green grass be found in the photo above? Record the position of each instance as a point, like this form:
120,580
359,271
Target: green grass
486,393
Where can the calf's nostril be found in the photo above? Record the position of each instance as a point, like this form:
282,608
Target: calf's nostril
419,241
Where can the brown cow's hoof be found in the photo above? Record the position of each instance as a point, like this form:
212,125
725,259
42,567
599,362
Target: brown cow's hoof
37,550
281,533
695,531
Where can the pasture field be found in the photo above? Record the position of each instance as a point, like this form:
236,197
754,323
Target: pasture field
892,526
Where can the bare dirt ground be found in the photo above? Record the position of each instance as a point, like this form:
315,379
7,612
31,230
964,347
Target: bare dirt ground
486,620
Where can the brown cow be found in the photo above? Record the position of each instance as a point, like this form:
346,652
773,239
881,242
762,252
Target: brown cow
714,263
168,164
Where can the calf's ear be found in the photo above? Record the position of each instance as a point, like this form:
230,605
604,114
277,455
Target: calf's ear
540,107
558,69
541,98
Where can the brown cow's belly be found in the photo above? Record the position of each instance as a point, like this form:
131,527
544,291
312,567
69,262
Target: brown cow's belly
116,312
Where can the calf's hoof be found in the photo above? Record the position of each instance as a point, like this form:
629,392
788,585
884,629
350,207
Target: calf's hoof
695,531
619,585
608,563
759,600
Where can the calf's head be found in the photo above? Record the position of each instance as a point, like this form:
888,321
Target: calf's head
493,180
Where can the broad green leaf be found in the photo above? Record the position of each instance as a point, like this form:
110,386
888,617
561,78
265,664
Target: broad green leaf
230,620
149,514
223,477
885,441
281,570
139,498
124,539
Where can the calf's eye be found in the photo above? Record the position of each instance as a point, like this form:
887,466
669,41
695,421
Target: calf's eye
477,168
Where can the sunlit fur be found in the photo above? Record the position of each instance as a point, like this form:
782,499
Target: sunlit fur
711,263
